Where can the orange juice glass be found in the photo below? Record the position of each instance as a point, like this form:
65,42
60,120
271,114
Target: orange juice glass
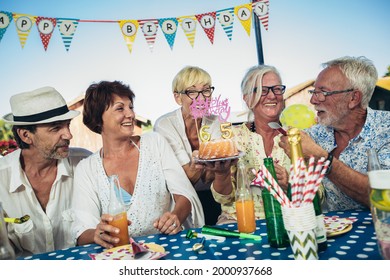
120,221
246,216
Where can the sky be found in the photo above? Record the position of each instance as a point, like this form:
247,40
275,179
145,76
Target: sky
301,35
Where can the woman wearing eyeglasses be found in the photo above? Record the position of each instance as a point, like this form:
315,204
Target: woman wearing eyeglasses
262,91
181,130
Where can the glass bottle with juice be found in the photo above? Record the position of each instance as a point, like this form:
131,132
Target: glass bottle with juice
117,209
245,207
380,202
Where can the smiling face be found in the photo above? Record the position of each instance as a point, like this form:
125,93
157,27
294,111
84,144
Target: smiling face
119,117
270,106
334,110
185,101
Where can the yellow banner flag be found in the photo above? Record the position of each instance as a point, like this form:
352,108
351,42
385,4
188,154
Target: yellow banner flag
244,14
23,23
129,30
188,24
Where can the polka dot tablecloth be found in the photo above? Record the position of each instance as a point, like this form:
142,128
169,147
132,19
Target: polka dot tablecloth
357,244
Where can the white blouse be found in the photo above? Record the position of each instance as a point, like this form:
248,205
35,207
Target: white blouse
159,176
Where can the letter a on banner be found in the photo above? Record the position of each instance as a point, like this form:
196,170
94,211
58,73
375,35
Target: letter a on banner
244,14
207,21
226,19
45,28
129,30
23,23
261,9
67,28
5,20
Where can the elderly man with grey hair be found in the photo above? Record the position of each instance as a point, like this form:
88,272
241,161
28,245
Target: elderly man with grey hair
37,178
346,129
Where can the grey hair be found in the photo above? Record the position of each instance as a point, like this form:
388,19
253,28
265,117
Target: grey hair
360,72
253,78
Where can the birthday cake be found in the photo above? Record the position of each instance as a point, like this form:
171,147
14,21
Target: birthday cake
218,148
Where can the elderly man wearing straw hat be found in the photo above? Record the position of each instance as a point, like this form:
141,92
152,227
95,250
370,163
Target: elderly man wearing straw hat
37,179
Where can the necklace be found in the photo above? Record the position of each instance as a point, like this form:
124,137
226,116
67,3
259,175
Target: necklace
253,127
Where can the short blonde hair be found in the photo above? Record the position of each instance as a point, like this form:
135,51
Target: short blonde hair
190,76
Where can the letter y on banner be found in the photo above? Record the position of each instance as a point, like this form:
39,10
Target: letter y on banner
67,28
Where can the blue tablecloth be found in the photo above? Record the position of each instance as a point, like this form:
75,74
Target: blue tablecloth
357,244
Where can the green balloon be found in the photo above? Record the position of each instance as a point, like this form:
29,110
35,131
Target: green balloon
297,115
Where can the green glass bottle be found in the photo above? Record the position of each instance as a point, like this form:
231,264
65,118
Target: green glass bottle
277,234
294,138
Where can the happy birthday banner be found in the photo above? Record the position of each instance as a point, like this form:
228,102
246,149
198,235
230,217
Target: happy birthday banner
149,27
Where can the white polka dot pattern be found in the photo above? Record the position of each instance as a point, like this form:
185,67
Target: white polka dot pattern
359,243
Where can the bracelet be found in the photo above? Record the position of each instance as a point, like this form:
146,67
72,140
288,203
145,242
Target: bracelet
330,158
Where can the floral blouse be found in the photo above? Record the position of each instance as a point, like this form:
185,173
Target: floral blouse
252,145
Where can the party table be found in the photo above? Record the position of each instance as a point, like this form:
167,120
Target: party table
359,243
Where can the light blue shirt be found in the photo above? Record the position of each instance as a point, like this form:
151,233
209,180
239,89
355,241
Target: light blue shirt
375,134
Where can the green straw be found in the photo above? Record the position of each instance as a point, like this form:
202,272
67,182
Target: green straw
228,233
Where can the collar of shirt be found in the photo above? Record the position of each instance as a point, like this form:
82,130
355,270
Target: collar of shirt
18,175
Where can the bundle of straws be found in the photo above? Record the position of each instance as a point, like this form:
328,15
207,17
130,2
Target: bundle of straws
304,182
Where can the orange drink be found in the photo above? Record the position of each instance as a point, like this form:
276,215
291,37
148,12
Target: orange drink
246,216
120,221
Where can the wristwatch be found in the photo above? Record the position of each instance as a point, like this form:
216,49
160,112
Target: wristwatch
330,158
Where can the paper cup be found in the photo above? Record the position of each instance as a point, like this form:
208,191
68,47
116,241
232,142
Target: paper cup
300,224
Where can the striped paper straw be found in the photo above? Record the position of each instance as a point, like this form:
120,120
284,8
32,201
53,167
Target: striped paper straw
277,191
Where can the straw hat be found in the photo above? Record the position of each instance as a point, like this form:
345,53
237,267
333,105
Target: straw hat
43,105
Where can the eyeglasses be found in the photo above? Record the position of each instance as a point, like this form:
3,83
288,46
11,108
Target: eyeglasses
193,94
321,95
277,90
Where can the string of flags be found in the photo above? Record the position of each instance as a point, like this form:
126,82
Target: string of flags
149,27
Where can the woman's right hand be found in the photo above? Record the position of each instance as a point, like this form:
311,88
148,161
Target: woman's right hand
102,232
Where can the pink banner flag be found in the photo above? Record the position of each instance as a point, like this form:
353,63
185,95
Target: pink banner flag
45,28
207,21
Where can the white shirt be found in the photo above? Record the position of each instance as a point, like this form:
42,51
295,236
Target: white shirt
172,127
45,231
159,176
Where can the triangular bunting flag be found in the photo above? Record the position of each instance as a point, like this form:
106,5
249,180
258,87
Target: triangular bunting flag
5,20
23,23
149,27
67,28
244,14
129,30
207,21
45,28
169,28
188,24
261,9
226,19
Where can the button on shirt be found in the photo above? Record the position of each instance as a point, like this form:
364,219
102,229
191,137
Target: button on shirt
375,134
44,231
